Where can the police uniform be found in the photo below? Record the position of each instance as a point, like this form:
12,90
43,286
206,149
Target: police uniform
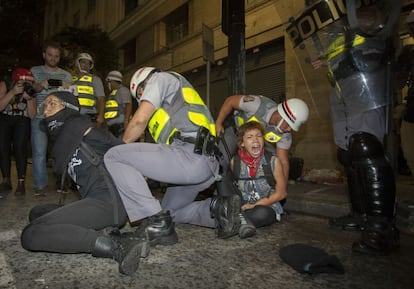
358,102
89,87
114,114
174,126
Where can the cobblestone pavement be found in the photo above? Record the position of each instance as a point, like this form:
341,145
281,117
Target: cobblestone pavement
199,260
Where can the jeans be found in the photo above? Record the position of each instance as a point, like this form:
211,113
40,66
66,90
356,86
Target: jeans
39,155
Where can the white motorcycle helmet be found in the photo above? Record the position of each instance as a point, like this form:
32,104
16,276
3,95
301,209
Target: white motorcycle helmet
114,75
86,56
294,111
139,77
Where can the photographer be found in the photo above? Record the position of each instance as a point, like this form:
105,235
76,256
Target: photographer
17,107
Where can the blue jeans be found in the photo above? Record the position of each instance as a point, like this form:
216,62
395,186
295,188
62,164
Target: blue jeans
39,155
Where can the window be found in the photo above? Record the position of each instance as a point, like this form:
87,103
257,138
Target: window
91,6
130,5
176,25
130,52
76,19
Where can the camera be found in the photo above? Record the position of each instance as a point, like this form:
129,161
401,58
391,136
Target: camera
55,82
28,88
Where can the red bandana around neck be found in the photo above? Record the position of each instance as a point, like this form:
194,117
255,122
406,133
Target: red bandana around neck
251,162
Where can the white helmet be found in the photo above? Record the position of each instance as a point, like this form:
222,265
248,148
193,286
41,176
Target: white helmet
86,56
139,77
294,111
114,75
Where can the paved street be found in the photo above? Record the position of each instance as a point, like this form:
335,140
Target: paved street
200,260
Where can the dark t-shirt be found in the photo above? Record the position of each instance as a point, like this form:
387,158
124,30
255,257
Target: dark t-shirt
87,176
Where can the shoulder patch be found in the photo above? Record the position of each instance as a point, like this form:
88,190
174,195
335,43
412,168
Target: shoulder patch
248,98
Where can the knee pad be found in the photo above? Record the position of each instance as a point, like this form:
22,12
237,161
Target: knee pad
364,145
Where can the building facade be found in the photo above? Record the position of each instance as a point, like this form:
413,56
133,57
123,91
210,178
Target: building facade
169,34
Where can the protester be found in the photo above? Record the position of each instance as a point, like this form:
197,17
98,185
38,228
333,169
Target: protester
74,228
259,178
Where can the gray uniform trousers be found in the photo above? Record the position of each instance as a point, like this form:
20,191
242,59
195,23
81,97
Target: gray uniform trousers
186,173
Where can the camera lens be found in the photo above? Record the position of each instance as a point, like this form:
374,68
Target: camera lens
28,88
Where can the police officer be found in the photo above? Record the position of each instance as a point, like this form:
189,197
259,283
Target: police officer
89,89
118,106
183,154
358,101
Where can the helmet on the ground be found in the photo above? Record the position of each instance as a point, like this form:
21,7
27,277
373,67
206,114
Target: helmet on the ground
294,111
114,75
22,74
139,77
85,56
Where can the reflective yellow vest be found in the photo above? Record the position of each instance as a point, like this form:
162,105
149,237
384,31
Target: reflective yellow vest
186,113
112,107
86,93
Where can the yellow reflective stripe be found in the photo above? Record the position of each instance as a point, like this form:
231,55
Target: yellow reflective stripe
86,101
113,92
191,96
157,122
272,137
338,45
239,121
110,114
253,118
170,135
198,119
84,89
86,78
111,104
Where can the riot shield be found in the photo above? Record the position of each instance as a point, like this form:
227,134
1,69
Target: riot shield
335,61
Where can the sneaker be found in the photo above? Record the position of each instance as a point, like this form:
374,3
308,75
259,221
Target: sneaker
39,193
247,229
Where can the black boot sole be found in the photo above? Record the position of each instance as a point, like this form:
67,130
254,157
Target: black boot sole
131,261
167,240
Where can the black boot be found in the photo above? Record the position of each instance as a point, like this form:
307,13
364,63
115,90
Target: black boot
127,252
247,229
159,228
5,186
379,237
226,211
378,185
356,218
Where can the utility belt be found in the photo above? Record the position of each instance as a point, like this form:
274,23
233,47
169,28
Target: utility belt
204,142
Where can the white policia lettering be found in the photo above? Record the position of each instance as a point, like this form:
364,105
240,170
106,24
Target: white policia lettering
318,17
